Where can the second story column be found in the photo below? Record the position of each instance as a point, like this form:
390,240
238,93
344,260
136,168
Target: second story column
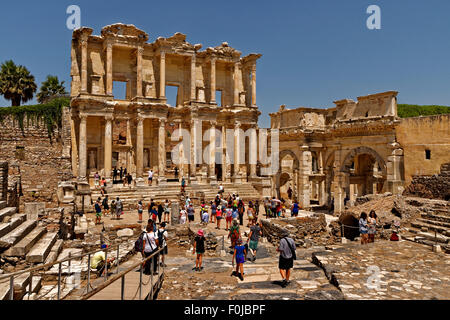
83,148
84,45
213,80
140,51
193,153
108,146
237,152
253,84
109,81
236,83
162,76
193,88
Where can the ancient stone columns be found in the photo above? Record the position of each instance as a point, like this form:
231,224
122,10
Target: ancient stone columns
162,76
82,148
140,51
303,179
212,152
193,88
84,44
254,85
194,149
109,80
236,83
213,80
140,147
394,164
108,145
237,152
253,150
162,151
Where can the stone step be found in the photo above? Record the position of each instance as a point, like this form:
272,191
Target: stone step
429,235
42,248
54,252
17,234
436,217
15,221
8,211
23,246
434,222
21,283
4,289
430,227
2,204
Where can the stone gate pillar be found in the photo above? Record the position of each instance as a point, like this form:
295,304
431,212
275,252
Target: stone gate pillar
304,192
83,148
395,175
162,151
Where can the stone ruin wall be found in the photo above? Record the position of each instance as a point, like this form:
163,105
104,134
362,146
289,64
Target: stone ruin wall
432,187
38,163
306,231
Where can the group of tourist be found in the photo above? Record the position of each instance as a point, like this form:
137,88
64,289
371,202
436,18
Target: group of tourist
125,177
276,208
103,208
368,226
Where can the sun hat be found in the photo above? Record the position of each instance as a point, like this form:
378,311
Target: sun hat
200,232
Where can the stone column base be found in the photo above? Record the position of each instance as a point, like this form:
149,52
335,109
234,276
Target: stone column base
140,182
162,181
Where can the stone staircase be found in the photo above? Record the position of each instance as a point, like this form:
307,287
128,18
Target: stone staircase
131,195
432,227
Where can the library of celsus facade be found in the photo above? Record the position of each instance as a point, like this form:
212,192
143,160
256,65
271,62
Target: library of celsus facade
216,89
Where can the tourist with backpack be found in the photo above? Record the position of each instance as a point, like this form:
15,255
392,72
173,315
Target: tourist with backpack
228,217
148,244
218,217
253,238
162,239
199,247
287,256
294,209
191,212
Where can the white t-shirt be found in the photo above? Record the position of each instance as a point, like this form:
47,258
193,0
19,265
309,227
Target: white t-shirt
150,243
150,174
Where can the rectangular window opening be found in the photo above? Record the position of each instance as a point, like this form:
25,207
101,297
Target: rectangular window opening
172,95
219,98
120,90
428,154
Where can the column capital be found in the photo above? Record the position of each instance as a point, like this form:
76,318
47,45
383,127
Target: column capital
109,117
140,50
237,125
213,123
83,116
162,121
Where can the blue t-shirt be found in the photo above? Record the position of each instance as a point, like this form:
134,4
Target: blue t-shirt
363,226
295,208
240,251
235,214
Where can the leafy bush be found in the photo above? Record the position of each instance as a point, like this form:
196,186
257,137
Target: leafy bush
50,112
412,110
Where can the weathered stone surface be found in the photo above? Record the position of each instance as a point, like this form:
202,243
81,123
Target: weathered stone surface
125,232
17,234
42,248
23,246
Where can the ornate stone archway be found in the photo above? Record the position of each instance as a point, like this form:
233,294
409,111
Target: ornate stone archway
293,175
346,164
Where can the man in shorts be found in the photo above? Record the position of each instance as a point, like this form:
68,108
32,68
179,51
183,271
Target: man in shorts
150,177
163,236
190,211
253,239
287,256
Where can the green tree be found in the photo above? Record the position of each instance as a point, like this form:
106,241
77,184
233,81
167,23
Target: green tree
16,83
50,87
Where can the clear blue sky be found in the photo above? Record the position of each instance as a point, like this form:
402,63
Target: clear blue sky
314,52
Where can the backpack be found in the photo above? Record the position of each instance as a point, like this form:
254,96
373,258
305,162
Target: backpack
294,255
139,244
160,237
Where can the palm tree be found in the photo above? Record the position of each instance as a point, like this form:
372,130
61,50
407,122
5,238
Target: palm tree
49,88
16,83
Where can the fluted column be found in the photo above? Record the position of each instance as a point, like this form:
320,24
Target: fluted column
237,152
253,151
181,160
162,150
84,45
213,80
140,51
236,83
108,146
212,151
109,81
225,172
254,85
162,76
193,88
83,148
140,147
